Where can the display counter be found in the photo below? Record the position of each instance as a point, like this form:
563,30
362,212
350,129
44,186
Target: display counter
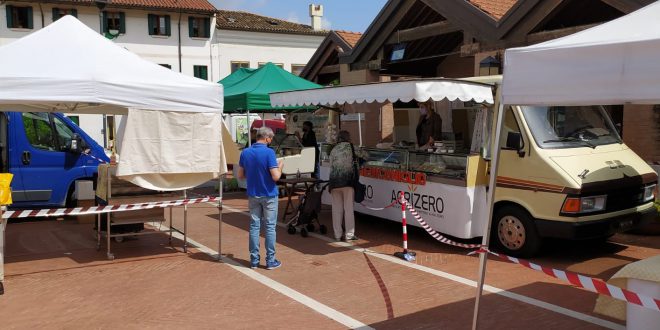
447,189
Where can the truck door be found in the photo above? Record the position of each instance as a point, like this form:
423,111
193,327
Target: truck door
44,166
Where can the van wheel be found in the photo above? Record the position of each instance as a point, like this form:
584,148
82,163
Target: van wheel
514,233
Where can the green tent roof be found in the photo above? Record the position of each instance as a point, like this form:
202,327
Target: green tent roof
249,89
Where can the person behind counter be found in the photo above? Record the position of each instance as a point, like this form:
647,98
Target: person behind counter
429,127
309,140
342,176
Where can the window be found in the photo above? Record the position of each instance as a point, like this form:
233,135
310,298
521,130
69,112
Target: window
64,133
201,72
276,64
19,17
61,12
199,27
113,20
235,65
75,119
166,66
570,126
297,69
159,25
39,131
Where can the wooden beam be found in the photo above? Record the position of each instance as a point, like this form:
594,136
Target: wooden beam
534,38
379,31
329,69
421,32
466,16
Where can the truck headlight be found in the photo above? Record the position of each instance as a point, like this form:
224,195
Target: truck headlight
584,204
649,194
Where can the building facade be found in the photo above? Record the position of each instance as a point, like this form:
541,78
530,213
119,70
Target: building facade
245,40
175,34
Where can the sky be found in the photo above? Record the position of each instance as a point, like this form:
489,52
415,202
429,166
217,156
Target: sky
349,15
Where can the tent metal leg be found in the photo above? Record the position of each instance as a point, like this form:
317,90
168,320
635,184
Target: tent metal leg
185,222
220,180
170,225
483,257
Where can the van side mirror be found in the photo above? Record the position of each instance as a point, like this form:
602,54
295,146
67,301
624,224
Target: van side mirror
76,144
514,142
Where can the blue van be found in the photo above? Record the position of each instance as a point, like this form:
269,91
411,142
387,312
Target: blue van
47,153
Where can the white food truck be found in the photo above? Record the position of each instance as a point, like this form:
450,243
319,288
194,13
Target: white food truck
564,170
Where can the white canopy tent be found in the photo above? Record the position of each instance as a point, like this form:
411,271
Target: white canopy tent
172,136
612,63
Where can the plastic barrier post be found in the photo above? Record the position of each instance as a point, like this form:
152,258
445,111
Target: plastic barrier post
405,255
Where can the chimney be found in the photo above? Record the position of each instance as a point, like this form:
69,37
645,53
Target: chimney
316,13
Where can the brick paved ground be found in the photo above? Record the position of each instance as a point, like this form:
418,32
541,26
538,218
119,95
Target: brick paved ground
57,279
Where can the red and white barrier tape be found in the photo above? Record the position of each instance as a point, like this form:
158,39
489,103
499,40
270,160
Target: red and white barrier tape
430,230
379,208
95,158
104,208
588,283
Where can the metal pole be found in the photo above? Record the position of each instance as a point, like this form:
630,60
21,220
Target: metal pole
360,128
3,226
107,215
248,127
185,222
171,228
483,257
220,179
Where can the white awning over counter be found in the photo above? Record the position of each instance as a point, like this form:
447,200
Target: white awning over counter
420,90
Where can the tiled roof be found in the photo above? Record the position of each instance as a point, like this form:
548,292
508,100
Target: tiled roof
495,8
185,5
239,20
351,38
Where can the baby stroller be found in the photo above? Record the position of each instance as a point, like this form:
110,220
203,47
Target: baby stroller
308,211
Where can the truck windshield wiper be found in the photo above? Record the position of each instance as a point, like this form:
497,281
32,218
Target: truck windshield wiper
571,139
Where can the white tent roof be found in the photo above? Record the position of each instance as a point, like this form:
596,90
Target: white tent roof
612,63
67,66
405,91
171,139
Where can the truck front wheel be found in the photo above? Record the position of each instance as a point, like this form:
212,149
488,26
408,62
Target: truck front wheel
514,233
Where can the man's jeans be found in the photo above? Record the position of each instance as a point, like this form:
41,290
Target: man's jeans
262,209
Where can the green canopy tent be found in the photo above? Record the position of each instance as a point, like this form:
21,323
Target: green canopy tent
247,90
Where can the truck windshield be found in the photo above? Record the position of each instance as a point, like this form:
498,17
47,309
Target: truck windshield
570,127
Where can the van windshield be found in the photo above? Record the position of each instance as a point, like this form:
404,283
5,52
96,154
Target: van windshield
570,127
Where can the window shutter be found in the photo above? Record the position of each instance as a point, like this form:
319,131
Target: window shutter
168,30
105,21
190,26
151,20
74,12
10,21
29,15
122,23
56,11
207,27
195,71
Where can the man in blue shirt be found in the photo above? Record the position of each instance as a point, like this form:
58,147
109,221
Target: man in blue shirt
262,170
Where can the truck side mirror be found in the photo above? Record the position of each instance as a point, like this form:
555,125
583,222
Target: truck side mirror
76,144
514,142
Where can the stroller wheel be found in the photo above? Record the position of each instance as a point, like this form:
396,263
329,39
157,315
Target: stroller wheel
291,230
323,229
310,227
303,232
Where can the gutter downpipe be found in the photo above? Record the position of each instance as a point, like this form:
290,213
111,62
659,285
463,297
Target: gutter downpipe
179,41
41,9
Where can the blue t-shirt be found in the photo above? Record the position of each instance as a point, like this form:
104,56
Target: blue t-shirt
257,161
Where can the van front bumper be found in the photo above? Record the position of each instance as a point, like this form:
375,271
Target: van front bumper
596,228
